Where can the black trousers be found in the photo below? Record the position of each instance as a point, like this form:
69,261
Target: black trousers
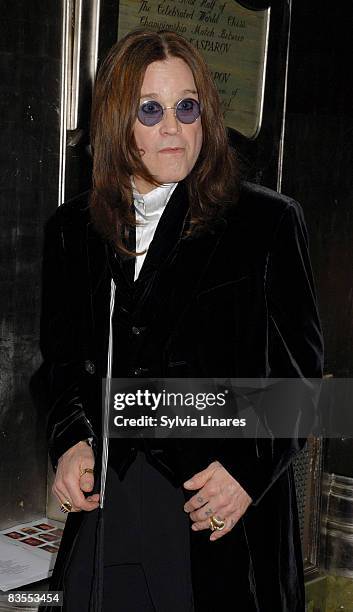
146,546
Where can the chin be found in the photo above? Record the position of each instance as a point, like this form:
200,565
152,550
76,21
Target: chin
172,177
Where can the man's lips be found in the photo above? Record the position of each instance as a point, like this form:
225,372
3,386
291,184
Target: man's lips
173,150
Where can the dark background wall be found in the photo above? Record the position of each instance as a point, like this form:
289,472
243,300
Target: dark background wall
317,165
30,58
317,171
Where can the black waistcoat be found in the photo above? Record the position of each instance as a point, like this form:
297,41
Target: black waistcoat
134,313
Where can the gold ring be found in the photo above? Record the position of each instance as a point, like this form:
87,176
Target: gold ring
215,524
66,506
86,471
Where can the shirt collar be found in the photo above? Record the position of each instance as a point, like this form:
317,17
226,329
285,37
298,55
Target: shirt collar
152,203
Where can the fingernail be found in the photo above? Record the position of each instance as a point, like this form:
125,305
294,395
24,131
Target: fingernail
188,483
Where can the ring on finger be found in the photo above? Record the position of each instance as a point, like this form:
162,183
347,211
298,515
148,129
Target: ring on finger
66,506
216,524
86,471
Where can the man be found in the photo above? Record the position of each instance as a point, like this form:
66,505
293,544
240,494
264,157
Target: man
203,276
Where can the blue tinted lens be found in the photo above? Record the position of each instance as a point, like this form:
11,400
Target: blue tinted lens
188,110
150,113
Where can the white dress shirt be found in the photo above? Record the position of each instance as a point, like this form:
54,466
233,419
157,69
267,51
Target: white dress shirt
148,210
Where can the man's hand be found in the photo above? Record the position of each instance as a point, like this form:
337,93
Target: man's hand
220,495
69,485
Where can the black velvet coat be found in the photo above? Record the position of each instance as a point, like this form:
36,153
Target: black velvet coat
237,302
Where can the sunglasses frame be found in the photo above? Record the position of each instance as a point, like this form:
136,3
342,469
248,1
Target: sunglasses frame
164,108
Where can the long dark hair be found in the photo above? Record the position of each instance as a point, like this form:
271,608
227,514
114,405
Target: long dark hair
214,179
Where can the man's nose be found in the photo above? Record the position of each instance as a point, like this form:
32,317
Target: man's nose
170,123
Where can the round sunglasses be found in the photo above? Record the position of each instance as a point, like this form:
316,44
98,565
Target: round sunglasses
186,110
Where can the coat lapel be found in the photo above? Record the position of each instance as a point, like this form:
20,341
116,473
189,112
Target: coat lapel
167,235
